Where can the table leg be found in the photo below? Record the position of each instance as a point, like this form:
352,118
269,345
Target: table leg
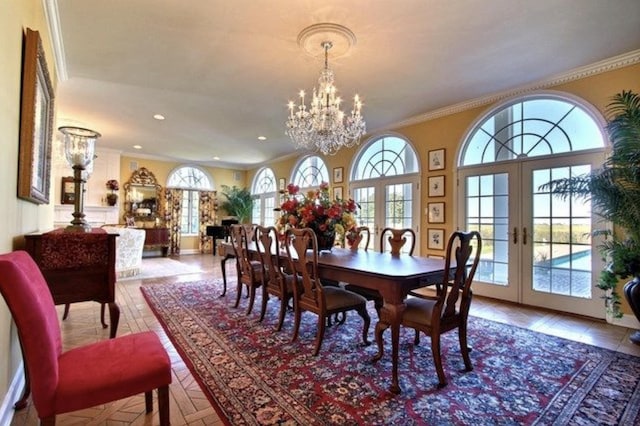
114,315
223,262
390,316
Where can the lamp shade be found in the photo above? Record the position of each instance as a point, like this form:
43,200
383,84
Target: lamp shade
79,145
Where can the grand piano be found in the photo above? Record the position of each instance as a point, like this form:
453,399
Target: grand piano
220,232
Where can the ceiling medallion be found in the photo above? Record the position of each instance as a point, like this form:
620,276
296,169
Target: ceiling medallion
323,126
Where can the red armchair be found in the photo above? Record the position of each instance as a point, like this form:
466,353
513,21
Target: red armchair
81,377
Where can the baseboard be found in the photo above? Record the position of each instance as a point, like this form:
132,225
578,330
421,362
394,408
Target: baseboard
629,321
13,394
189,251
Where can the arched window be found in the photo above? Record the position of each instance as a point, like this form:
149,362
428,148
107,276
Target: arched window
264,191
384,182
191,180
310,173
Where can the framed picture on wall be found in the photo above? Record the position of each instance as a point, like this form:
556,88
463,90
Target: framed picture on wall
36,123
436,186
337,174
436,212
337,193
436,159
435,239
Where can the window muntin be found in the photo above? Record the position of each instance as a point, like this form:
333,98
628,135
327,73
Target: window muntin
189,177
386,156
532,128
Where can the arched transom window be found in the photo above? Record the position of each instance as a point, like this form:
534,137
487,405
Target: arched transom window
386,156
310,173
532,128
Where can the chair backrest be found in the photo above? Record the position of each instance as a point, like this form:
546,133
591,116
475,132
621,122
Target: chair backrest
240,243
31,304
266,243
303,264
397,239
459,249
362,234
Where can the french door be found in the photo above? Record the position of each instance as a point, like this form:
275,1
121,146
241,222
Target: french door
537,248
390,202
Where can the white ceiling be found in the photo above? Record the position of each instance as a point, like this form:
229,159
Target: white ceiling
223,71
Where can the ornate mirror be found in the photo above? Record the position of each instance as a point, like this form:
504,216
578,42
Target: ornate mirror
143,197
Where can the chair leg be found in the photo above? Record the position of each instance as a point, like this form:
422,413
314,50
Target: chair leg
296,323
48,421
148,402
252,298
163,405
238,293
362,311
319,335
283,311
464,347
263,306
416,338
102,309
437,359
379,331
377,304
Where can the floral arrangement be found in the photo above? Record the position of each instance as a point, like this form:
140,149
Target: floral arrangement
316,210
113,185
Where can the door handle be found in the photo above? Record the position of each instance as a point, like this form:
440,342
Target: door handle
515,235
524,236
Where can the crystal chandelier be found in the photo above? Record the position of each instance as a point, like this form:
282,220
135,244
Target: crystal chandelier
323,126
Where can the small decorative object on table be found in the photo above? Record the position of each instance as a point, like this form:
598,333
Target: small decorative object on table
112,197
316,210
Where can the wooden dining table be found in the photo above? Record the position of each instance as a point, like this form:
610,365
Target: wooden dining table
392,276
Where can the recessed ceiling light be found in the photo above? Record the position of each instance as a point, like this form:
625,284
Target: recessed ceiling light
216,158
137,146
262,138
159,117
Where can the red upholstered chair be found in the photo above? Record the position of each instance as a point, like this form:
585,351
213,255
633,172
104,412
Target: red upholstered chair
81,377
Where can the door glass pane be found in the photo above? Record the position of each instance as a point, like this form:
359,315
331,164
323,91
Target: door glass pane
399,209
365,198
487,200
561,238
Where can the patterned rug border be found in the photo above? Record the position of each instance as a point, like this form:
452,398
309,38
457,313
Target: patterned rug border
559,409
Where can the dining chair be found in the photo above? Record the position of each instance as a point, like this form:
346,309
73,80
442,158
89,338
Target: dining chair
249,270
84,376
275,281
362,234
396,238
309,293
440,313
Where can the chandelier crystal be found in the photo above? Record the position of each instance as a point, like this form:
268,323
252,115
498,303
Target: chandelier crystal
323,126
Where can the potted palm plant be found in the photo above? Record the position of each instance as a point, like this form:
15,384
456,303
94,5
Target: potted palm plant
614,191
238,203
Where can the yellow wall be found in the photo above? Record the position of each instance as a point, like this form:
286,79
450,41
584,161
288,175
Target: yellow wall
448,132
18,217
162,169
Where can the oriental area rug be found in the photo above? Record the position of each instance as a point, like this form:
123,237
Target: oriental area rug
254,375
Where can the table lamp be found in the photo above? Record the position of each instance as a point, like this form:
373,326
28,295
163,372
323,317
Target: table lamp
79,150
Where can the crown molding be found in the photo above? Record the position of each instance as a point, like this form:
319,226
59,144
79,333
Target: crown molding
53,20
606,65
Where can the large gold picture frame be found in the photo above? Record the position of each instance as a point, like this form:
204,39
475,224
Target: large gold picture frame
36,123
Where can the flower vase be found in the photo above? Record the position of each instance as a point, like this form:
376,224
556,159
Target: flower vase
112,199
326,240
